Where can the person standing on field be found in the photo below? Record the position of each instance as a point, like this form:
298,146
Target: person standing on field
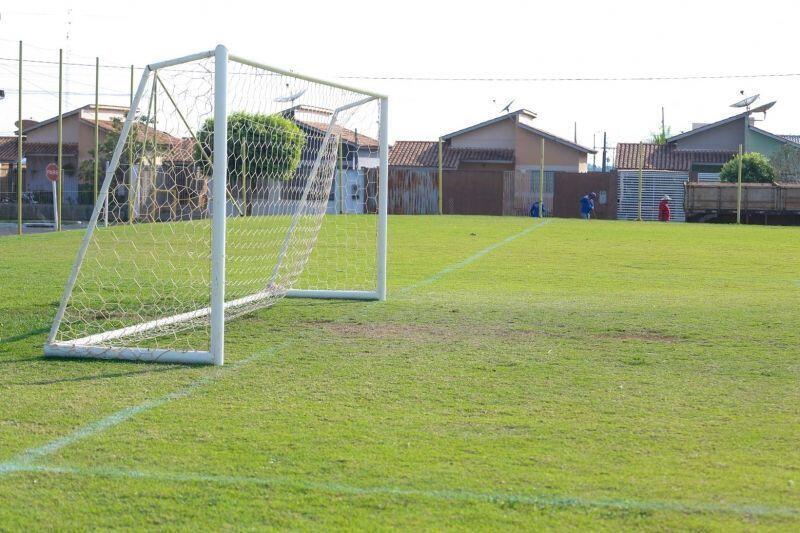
663,209
587,205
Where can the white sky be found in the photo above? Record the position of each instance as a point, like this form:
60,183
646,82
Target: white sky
501,38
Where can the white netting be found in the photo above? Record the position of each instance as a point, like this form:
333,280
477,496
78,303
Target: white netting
296,150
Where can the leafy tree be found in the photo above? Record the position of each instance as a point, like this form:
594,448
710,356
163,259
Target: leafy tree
786,162
661,136
755,169
269,145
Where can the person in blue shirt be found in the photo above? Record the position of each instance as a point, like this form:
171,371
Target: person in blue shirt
587,205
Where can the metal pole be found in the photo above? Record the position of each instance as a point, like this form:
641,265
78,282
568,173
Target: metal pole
19,146
541,183
641,181
441,175
339,194
60,136
739,190
383,196
219,211
132,192
604,152
244,180
96,127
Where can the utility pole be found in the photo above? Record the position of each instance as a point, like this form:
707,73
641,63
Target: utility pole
663,129
604,151
575,133
594,155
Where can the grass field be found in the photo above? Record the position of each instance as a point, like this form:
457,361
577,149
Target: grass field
599,375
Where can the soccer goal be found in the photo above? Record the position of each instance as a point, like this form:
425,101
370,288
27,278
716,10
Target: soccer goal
232,185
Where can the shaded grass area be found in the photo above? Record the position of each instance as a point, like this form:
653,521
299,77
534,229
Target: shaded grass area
600,376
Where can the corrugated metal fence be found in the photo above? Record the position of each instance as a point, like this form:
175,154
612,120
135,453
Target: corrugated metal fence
655,185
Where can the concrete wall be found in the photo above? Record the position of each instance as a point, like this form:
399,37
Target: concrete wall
757,142
725,137
498,135
528,147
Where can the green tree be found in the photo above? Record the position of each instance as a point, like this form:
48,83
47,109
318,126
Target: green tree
755,169
786,162
660,137
268,145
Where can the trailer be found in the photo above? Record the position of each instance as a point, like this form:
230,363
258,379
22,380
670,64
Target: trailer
762,203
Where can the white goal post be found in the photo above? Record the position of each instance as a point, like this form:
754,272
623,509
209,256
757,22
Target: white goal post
232,185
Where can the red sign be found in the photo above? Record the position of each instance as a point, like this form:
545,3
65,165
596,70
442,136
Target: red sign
52,172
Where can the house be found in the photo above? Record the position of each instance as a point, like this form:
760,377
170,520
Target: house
354,187
489,168
695,155
35,158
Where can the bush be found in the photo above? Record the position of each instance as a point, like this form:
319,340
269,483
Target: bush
755,169
272,144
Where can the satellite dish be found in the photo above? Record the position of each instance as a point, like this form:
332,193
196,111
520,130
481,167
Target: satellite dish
507,108
746,102
292,97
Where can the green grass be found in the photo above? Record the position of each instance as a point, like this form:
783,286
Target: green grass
601,375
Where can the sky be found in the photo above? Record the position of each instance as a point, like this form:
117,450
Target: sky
357,41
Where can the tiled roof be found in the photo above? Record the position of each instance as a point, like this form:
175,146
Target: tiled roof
426,154
8,149
347,135
791,138
163,137
667,157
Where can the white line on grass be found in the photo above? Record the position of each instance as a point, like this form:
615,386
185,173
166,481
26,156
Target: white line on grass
471,259
541,500
31,455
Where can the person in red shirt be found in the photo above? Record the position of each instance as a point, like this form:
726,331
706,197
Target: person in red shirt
663,209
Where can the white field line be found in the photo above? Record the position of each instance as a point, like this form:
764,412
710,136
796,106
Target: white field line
451,495
31,455
471,259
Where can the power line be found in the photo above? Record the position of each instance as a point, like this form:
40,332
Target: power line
581,78
666,77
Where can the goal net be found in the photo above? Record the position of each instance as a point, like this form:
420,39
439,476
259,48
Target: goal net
232,185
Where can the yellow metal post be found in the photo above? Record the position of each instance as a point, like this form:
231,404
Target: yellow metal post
244,179
739,189
96,126
19,146
132,193
641,182
340,179
60,136
441,188
541,182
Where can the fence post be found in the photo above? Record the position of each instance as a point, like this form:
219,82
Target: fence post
133,193
60,138
541,183
739,190
19,146
641,182
441,188
96,125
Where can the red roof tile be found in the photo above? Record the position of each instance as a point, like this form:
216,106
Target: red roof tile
8,149
426,154
667,157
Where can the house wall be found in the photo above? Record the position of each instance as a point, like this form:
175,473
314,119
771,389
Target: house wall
498,135
528,150
757,142
486,166
725,137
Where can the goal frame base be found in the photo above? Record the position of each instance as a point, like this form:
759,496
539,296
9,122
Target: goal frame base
152,355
